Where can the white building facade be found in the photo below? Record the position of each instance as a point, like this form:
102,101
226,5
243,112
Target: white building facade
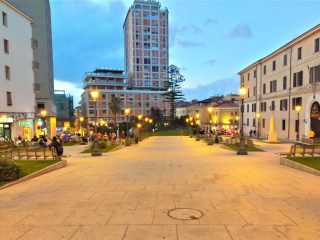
17,97
277,83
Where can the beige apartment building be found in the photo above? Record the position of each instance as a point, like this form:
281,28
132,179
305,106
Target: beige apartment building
224,114
277,83
112,83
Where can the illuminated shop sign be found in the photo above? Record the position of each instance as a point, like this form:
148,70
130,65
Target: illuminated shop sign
6,120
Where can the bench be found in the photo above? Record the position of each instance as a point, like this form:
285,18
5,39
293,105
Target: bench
303,148
30,154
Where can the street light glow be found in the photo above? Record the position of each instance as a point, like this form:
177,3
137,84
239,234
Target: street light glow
298,108
81,119
94,94
43,113
242,91
258,115
140,117
127,111
210,109
197,116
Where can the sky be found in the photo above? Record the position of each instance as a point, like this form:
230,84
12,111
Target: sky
210,40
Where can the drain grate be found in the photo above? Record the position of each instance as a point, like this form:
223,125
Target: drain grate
185,214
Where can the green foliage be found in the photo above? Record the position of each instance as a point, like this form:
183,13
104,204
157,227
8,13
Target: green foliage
105,149
249,148
174,93
31,166
313,162
8,171
180,132
115,107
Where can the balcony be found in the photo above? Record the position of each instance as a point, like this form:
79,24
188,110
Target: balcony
35,65
105,83
34,43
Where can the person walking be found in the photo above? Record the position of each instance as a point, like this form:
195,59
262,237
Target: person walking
122,138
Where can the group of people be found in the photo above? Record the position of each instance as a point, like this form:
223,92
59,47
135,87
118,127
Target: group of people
56,143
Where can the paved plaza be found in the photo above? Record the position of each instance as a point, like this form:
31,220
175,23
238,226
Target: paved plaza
127,194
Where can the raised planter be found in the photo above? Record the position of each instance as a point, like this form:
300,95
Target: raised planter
48,169
298,166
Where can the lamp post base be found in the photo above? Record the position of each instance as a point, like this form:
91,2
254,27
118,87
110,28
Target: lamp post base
242,152
96,149
198,138
128,141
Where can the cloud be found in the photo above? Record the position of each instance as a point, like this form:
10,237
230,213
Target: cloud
240,31
195,29
70,88
189,44
210,62
219,87
175,31
211,21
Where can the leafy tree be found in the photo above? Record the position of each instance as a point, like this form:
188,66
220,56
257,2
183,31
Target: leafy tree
115,107
174,93
156,114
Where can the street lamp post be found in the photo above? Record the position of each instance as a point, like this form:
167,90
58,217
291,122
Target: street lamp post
198,123
242,149
210,140
94,95
298,109
258,115
81,127
43,114
150,122
127,112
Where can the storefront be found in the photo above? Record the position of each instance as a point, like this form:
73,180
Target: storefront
5,127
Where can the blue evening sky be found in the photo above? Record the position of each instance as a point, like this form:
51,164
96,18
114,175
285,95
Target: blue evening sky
210,40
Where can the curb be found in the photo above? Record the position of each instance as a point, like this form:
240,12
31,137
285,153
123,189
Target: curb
298,166
48,169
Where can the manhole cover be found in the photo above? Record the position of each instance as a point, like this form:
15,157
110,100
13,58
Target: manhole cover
185,214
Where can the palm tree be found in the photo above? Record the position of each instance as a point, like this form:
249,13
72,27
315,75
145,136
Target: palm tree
115,107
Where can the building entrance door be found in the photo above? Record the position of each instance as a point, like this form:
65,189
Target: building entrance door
5,131
315,119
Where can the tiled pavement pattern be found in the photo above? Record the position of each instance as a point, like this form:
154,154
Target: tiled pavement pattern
126,195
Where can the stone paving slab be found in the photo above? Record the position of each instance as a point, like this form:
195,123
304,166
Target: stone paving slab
127,194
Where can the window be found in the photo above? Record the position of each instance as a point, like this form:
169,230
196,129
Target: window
264,69
283,124
263,107
254,122
298,79
317,45
9,99
264,88
284,83
254,91
4,19
299,53
255,73
7,72
254,107
283,104
248,76
263,123
248,107
296,102
248,92
146,61
273,86
285,60
273,106
248,122
315,74
242,80
274,65
6,46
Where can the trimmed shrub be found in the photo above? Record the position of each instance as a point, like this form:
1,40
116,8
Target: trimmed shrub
8,171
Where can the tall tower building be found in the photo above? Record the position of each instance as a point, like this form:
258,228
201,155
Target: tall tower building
39,11
146,45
